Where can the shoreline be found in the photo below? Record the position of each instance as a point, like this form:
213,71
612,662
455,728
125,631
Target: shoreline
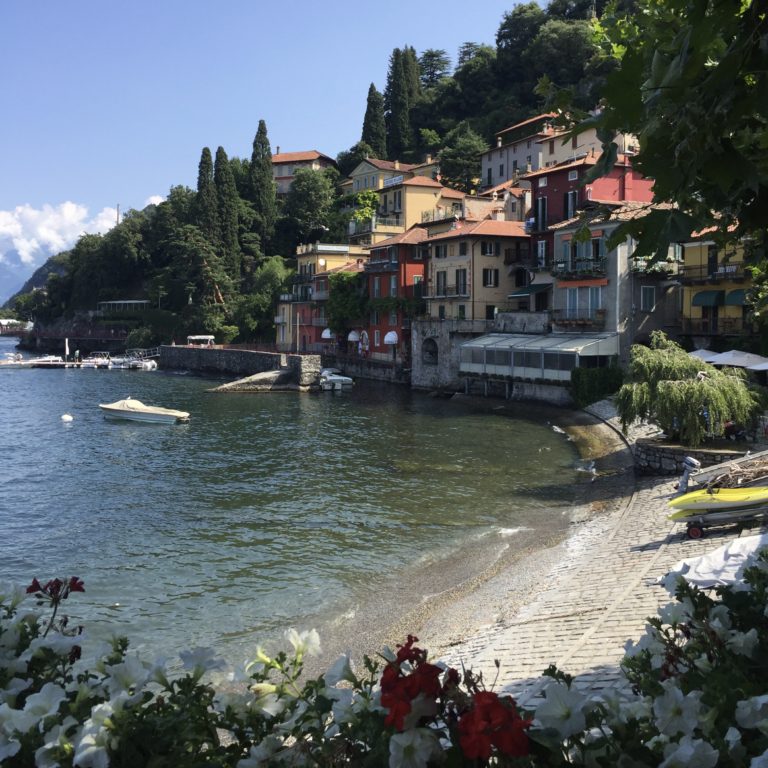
469,601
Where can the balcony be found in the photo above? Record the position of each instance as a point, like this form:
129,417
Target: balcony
319,322
657,268
320,295
393,224
712,273
579,268
722,326
579,319
448,292
280,320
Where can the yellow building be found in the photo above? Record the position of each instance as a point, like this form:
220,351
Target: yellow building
715,287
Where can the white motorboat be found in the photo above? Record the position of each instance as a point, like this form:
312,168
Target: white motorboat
135,410
147,364
97,360
332,378
14,360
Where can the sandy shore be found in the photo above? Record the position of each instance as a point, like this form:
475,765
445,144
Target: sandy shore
464,600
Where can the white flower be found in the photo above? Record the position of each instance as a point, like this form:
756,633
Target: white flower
342,709
720,620
92,748
732,737
239,703
743,643
11,595
675,613
307,642
8,747
261,754
14,687
752,713
54,740
16,720
46,701
563,709
270,704
130,674
696,753
201,660
341,669
761,761
675,711
61,645
648,642
622,705
412,749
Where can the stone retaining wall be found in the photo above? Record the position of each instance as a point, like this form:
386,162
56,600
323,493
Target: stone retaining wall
239,362
654,457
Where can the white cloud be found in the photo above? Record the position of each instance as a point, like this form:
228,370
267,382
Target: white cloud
37,233
154,200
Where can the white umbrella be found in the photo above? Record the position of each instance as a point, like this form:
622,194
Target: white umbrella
704,354
737,358
758,367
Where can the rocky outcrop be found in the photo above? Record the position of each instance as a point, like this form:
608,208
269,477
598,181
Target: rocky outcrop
268,381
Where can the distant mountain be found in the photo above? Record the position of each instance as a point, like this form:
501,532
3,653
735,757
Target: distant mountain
12,275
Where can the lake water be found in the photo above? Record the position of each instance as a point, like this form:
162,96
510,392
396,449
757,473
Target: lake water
265,511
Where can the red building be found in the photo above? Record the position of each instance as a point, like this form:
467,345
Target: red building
395,273
559,191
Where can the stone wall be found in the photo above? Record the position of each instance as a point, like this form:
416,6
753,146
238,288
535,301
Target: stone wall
238,362
517,390
654,457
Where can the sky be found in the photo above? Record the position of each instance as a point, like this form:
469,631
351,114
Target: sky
109,105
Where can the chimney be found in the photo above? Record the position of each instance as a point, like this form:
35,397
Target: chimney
428,159
277,149
498,141
397,165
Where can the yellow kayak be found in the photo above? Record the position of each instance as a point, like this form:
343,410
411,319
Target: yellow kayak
718,500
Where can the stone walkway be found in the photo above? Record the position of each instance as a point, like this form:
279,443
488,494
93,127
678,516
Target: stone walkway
595,598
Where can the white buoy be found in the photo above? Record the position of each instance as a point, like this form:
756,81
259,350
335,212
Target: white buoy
66,417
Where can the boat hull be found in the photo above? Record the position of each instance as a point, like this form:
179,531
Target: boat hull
718,500
134,410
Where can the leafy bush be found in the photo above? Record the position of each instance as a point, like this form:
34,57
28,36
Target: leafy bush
588,385
695,695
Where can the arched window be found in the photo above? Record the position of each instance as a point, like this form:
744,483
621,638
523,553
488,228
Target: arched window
429,352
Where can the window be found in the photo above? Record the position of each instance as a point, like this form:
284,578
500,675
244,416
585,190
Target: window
501,171
422,252
489,177
514,166
570,200
542,181
440,251
528,160
377,338
462,312
451,249
393,285
398,200
647,298
541,213
376,287
541,253
461,282
551,146
441,312
440,282
595,299
490,278
574,141
463,248
393,318
571,302
598,248
528,144
573,175
490,248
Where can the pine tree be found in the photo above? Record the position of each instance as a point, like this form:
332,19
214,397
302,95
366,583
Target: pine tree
374,127
206,206
397,105
228,203
262,186
434,65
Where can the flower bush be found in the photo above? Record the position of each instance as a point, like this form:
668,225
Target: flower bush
695,694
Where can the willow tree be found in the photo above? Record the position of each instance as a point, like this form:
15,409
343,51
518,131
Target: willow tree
689,400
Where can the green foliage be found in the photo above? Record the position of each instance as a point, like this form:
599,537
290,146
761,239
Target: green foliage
307,207
690,400
206,210
348,160
228,203
434,65
366,204
460,158
347,301
588,385
261,187
398,97
374,128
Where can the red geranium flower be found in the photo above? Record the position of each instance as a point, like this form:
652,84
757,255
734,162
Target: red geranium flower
492,722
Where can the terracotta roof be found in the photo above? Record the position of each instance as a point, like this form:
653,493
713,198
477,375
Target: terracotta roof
448,192
544,116
507,186
487,227
297,157
415,234
388,165
350,266
421,181
624,212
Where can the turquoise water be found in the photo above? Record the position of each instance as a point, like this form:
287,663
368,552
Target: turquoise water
265,511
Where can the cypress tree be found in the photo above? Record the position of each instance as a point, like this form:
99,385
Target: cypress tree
206,206
262,186
228,203
374,127
412,74
396,103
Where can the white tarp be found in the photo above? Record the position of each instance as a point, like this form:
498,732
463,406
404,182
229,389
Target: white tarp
737,358
721,566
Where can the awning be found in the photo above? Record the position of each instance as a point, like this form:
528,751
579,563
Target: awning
586,345
353,336
736,298
521,293
327,334
390,337
709,299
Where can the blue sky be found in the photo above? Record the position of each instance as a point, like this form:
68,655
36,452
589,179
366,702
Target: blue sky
109,104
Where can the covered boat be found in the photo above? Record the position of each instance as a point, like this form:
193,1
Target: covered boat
718,500
135,410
